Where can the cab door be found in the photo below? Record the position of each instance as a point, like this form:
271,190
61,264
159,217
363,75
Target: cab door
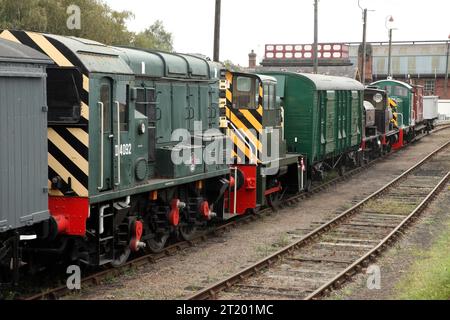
124,148
193,106
105,108
272,122
272,111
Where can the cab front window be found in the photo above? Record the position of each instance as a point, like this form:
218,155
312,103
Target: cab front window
245,93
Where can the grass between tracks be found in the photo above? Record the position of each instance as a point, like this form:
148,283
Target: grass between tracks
429,277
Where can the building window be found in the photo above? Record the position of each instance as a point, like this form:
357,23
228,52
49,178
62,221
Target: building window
430,87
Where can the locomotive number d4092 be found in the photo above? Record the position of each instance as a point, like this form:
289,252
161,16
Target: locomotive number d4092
123,150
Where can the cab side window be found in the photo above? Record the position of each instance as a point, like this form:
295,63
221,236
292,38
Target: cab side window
123,98
270,97
141,101
266,97
63,95
146,103
105,98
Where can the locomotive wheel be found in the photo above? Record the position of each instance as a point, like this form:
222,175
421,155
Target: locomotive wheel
158,243
274,200
389,148
188,232
308,186
341,171
122,250
123,258
360,159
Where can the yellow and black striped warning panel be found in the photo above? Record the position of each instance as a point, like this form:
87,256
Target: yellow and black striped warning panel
244,126
68,147
69,159
393,105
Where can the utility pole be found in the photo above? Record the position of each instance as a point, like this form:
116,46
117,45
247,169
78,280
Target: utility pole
217,31
390,54
446,68
364,47
364,44
316,36
390,20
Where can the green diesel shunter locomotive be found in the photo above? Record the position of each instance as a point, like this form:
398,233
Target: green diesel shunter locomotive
120,177
323,119
407,99
402,94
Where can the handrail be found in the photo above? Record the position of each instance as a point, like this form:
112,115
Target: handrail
400,125
102,145
118,143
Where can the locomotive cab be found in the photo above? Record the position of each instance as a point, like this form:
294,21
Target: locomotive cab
409,104
254,123
382,134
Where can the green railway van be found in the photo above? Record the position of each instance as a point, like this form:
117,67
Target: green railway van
323,118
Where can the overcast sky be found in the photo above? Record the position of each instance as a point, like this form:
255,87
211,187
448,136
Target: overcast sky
250,24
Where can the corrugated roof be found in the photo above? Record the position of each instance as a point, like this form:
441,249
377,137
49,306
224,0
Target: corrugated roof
413,59
425,65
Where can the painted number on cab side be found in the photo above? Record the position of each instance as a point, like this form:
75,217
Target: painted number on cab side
125,150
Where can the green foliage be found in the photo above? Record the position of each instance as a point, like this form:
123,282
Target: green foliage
155,37
229,65
98,22
429,277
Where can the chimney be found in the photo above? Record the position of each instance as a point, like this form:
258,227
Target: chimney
252,60
369,62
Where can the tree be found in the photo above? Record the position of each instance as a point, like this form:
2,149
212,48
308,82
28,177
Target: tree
229,65
98,22
155,37
22,14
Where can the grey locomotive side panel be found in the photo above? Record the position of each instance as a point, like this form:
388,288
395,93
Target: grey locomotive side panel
23,147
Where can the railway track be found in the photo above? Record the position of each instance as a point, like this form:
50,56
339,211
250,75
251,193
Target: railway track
97,278
327,257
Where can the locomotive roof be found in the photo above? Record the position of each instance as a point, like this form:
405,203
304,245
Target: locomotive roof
375,89
92,56
262,77
64,51
18,53
95,56
159,64
323,82
400,83
265,78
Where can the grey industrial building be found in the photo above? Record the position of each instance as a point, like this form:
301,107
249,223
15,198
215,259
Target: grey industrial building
419,62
